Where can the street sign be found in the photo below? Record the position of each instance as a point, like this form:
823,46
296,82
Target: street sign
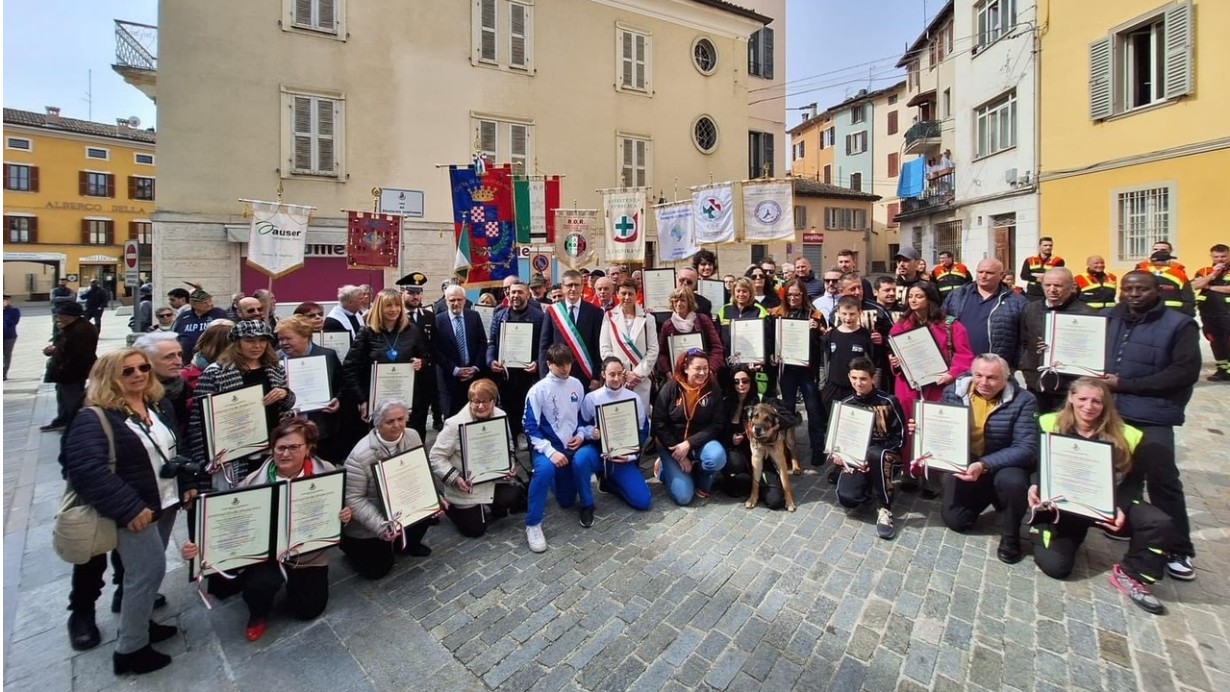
132,276
401,202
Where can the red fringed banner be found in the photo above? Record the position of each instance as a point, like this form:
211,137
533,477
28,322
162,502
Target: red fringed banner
373,241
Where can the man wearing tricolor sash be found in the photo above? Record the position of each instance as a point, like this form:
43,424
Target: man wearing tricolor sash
576,324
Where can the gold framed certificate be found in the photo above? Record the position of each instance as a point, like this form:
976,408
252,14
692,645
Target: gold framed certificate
1075,344
309,512
941,436
793,344
619,423
849,434
485,451
919,357
406,487
1078,475
308,378
747,341
682,343
338,341
516,344
658,284
391,381
235,423
234,528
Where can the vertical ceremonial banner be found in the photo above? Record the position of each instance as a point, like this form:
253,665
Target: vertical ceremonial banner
574,230
537,198
277,238
676,239
713,213
373,241
483,224
768,210
625,224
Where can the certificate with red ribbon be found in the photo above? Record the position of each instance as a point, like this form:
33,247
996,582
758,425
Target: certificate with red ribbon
235,528
407,488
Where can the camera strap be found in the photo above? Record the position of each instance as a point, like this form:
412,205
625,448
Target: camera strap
147,431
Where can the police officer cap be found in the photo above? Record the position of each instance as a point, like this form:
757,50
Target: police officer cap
413,282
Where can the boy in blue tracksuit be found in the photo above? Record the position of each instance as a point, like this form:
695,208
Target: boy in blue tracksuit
552,421
622,474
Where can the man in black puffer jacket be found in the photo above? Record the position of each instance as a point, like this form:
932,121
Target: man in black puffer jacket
1059,296
1004,446
1152,362
990,312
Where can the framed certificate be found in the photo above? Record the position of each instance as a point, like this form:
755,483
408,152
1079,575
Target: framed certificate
747,341
793,343
338,341
485,449
407,488
1078,475
941,435
234,528
235,423
1075,344
849,434
682,343
391,381
919,357
516,344
619,424
308,512
658,284
486,313
715,291
308,378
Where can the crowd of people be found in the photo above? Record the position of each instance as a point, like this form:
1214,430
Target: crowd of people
138,455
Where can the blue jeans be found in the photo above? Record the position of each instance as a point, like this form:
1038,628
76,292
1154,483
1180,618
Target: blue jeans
623,479
545,476
795,380
683,486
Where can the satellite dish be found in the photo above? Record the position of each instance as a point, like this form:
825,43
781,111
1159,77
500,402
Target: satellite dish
134,121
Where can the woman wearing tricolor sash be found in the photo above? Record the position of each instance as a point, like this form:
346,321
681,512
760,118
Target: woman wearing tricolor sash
631,335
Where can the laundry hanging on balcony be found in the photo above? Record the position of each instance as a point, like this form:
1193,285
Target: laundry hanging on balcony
913,179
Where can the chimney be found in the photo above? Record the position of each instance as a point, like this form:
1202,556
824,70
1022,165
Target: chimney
53,113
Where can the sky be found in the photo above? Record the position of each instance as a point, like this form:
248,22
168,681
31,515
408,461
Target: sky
52,46
833,49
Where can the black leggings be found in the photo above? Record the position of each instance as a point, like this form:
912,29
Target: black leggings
1151,530
372,558
876,482
307,589
737,479
472,521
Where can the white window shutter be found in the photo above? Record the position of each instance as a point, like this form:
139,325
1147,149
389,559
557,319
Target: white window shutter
517,35
1101,104
301,124
303,12
642,163
487,29
518,148
487,139
641,62
626,40
1178,65
325,118
327,19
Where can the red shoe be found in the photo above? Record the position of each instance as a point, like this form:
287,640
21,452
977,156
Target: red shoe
256,629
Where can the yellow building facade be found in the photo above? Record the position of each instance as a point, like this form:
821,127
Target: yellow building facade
74,192
1134,134
811,147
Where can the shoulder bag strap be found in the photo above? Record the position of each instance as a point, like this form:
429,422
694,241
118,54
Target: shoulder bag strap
106,426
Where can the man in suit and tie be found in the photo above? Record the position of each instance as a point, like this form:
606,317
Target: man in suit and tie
577,324
427,390
460,348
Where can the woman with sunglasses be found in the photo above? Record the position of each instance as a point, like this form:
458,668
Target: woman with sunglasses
390,337
631,335
743,307
1089,412
306,577
314,313
684,319
140,494
737,475
803,379
764,288
687,425
507,495
250,359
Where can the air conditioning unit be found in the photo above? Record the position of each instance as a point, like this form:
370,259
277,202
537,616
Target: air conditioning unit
1010,176
1025,179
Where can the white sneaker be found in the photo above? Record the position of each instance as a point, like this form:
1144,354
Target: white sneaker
537,541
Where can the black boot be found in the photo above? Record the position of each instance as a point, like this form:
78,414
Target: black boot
82,632
145,660
161,633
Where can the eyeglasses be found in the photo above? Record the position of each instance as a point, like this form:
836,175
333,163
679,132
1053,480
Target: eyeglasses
743,380
757,276
287,449
695,352
686,282
165,314
482,402
129,370
831,281
794,294
315,315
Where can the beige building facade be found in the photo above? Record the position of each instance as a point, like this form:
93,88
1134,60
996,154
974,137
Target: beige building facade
891,118
326,106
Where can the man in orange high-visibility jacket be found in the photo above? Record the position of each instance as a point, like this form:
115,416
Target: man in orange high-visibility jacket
1097,287
1213,301
1173,285
1034,267
949,274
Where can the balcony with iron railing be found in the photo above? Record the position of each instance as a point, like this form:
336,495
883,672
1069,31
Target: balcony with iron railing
136,55
922,134
939,193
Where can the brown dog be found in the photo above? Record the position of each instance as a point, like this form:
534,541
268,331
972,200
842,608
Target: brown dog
769,439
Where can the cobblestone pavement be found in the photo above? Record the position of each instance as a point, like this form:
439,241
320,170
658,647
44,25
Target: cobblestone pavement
714,596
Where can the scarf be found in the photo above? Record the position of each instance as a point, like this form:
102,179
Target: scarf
691,396
305,472
684,325
173,388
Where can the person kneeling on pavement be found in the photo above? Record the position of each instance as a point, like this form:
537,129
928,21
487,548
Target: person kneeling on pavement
1090,413
687,424
1004,449
874,481
619,474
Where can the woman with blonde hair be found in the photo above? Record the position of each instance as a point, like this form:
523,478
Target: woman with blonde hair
390,337
128,421
1090,413
294,336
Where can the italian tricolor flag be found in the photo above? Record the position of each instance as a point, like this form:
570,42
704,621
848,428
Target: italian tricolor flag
536,198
